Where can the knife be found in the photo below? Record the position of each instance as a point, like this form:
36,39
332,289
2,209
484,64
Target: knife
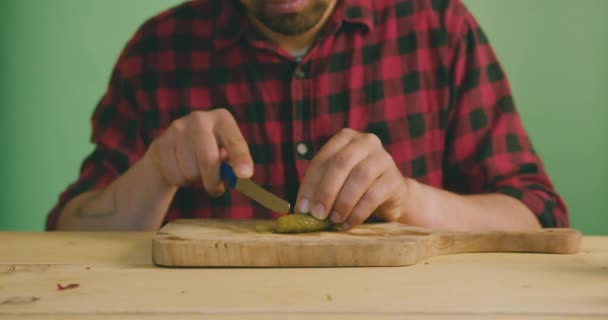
253,191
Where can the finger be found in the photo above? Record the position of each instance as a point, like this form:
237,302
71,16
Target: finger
208,156
165,150
317,168
358,182
230,137
338,169
392,209
186,158
381,190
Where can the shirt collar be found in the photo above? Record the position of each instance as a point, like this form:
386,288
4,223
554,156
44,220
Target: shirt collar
232,22
358,12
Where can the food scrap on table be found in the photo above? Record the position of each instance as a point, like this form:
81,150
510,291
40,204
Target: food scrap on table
67,287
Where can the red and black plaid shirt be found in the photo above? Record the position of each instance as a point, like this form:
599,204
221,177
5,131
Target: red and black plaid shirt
419,74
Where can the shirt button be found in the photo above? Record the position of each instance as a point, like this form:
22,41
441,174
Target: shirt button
302,149
300,73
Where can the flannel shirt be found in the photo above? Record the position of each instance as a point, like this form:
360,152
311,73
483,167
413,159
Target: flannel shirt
419,74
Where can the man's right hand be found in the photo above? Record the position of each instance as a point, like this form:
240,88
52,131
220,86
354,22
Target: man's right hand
192,147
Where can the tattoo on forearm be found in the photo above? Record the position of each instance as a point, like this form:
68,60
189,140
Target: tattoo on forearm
80,210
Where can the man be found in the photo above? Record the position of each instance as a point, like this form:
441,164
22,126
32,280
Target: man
352,109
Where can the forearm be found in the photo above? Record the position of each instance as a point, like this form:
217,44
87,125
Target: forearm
137,200
446,210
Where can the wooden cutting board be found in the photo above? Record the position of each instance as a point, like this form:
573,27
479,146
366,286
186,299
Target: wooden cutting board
220,243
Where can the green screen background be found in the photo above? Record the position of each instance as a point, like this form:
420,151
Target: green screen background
56,57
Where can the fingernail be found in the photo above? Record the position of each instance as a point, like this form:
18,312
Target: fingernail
318,211
335,217
304,206
244,170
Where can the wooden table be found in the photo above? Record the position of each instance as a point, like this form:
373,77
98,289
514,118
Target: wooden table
117,280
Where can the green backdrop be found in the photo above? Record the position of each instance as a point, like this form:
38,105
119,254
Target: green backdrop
56,56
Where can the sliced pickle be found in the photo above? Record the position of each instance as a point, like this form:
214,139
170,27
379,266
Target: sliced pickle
301,223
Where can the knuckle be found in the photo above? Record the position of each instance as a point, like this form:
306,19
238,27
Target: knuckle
347,132
198,114
177,125
198,117
372,139
199,120
222,113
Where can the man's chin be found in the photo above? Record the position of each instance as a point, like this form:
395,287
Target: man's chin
292,24
289,17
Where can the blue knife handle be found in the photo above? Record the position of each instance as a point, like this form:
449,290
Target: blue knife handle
227,174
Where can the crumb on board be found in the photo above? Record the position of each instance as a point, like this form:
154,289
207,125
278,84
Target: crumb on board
68,286
329,297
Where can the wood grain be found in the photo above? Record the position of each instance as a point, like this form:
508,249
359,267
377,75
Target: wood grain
214,243
76,247
118,281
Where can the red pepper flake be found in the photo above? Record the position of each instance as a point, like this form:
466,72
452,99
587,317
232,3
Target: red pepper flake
69,286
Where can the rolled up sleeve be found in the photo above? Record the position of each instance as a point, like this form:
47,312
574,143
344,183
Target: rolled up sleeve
487,148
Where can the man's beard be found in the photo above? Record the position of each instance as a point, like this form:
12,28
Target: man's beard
290,24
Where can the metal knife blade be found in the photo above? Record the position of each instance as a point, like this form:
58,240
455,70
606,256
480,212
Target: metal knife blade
253,191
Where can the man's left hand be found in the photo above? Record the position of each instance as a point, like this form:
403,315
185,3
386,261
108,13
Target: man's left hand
351,177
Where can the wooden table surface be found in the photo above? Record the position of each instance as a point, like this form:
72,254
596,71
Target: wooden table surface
117,280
